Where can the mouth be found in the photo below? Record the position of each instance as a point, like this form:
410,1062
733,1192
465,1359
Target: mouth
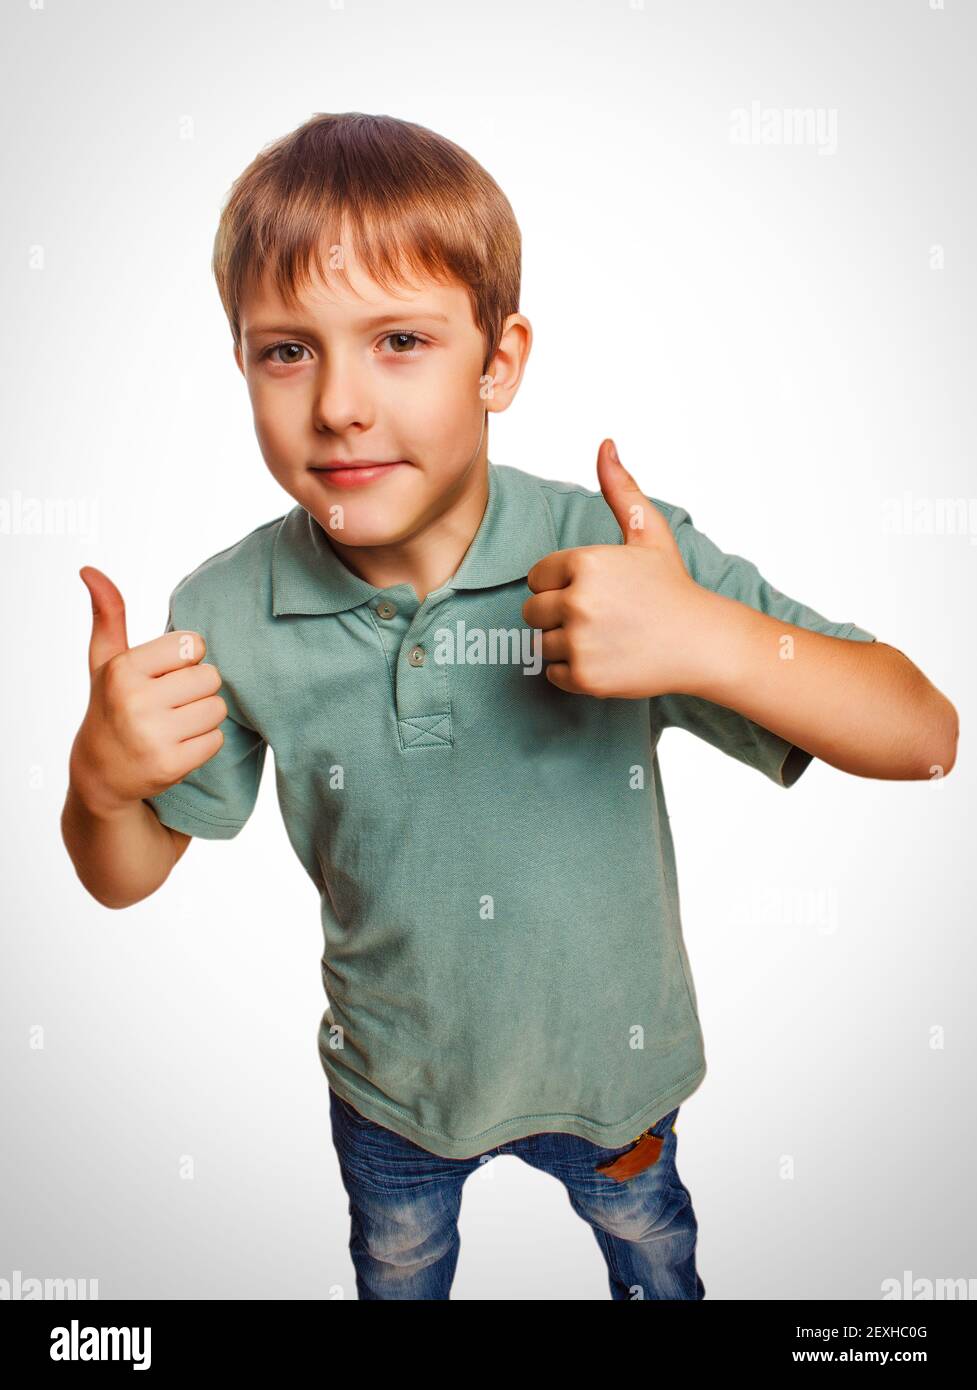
356,472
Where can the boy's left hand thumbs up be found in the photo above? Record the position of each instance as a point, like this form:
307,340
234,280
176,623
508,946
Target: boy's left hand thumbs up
640,520
621,621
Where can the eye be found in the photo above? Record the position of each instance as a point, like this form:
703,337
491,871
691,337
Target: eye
398,338
277,347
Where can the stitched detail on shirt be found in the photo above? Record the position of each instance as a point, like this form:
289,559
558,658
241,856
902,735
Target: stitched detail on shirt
426,731
204,817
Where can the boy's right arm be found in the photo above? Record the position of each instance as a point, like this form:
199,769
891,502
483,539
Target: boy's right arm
153,717
120,857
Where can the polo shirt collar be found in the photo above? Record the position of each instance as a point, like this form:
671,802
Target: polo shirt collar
516,530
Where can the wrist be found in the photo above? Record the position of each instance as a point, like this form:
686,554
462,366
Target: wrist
724,629
96,806
88,793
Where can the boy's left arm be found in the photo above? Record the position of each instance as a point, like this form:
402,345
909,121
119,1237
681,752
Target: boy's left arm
629,621
861,706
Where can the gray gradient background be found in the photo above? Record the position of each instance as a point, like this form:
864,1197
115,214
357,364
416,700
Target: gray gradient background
762,330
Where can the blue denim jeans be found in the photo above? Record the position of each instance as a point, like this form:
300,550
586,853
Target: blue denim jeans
404,1203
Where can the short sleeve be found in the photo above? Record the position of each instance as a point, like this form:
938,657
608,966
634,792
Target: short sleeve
731,732
214,801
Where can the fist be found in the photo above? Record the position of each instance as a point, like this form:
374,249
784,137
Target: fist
153,710
625,621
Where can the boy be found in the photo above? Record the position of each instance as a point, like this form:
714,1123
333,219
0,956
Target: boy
503,951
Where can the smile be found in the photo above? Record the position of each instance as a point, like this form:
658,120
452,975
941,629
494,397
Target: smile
357,476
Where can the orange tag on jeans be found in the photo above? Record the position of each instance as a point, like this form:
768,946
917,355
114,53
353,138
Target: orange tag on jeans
645,1152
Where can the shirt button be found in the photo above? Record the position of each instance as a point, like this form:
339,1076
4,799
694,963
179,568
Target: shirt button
416,656
386,609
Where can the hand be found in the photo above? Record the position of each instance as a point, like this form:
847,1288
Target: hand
623,621
153,710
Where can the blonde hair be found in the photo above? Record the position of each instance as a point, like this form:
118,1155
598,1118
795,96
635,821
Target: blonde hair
415,203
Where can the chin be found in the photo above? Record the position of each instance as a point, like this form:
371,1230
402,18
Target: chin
360,527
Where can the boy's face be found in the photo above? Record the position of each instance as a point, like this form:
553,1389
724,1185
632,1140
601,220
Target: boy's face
396,381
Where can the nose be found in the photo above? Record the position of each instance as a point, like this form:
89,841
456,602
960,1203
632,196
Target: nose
342,396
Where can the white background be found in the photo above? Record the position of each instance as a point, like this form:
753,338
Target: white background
769,335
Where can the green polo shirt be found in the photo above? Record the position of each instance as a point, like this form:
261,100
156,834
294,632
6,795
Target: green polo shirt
503,951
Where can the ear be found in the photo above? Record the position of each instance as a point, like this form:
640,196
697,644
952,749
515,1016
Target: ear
505,371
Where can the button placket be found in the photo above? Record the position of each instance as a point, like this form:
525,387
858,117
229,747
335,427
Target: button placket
391,618
423,703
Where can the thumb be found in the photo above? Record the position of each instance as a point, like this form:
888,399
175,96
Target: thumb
108,618
640,520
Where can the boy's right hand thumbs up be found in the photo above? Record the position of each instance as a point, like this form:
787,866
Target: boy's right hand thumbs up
108,618
153,713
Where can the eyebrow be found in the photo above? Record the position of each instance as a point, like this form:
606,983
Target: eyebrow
376,321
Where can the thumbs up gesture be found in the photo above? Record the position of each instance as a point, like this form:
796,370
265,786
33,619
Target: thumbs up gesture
623,621
153,711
